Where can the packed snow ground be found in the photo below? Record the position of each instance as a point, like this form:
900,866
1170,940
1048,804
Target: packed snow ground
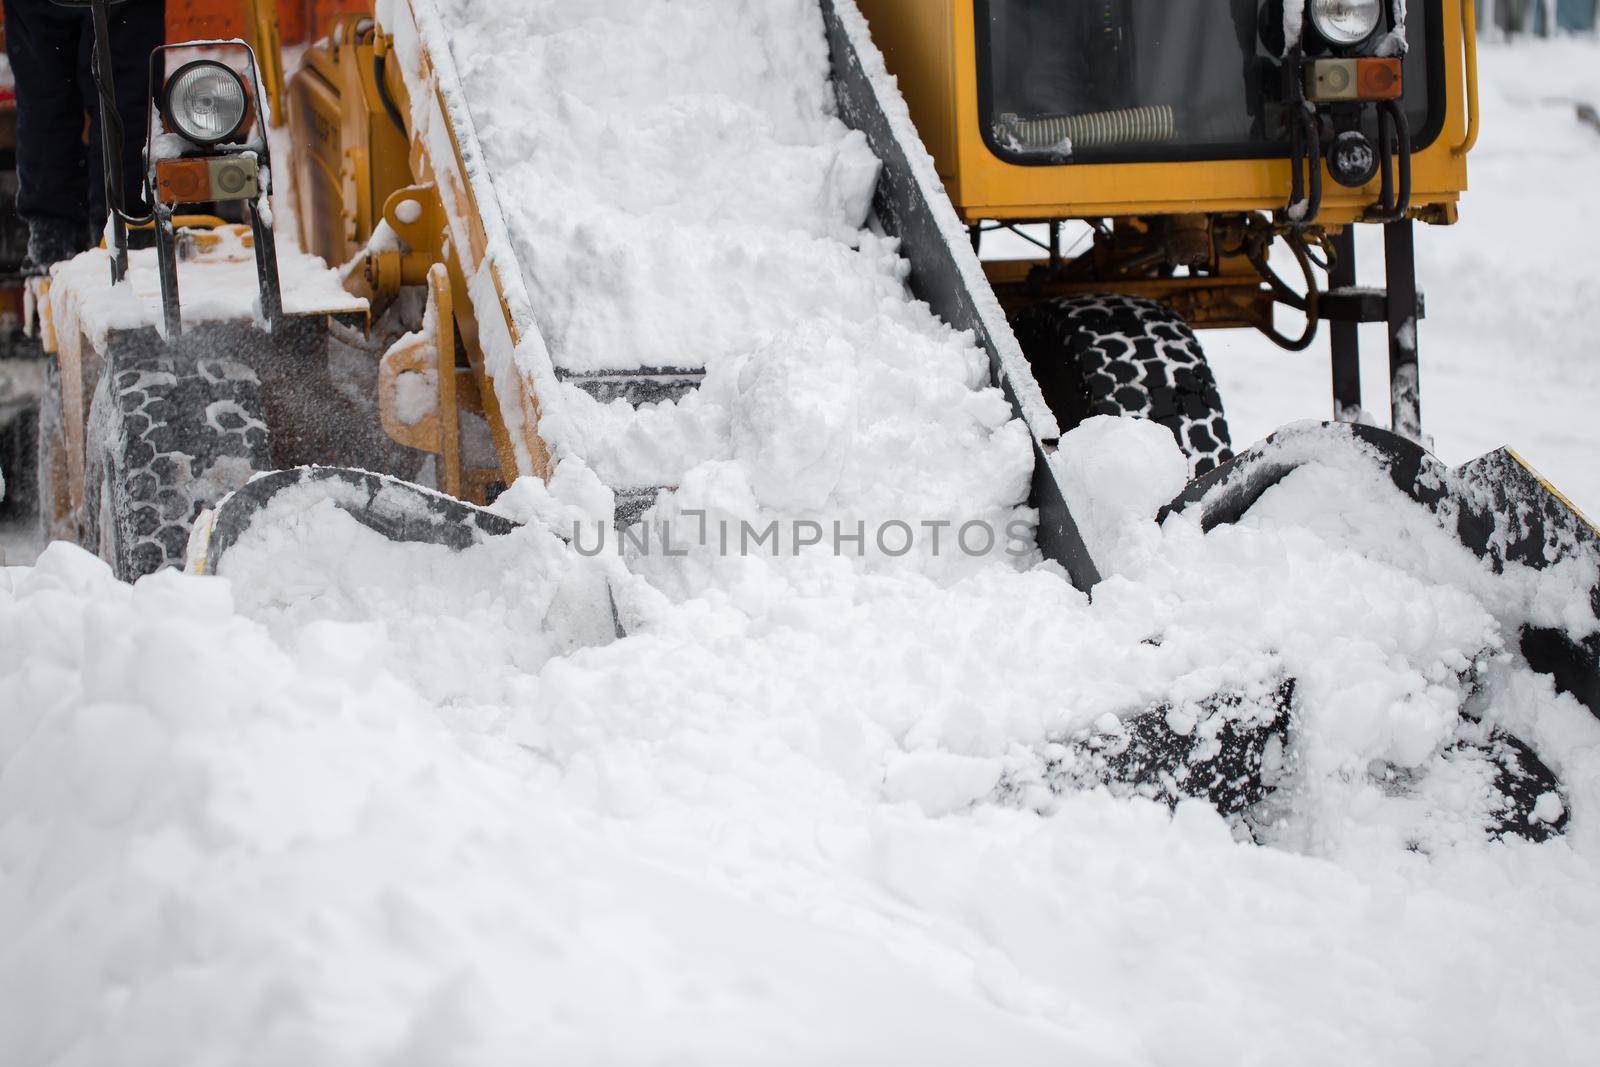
361,803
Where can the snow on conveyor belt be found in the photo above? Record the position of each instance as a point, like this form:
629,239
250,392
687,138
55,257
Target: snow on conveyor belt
352,803
715,224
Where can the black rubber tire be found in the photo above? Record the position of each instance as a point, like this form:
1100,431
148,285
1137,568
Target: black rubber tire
1121,355
168,436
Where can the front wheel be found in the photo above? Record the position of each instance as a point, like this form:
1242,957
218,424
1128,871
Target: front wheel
1122,355
168,437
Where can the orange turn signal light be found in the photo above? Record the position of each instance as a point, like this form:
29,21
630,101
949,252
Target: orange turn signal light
183,181
1378,79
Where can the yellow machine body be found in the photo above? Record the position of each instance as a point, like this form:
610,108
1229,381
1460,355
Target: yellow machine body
349,153
358,156
358,163
931,46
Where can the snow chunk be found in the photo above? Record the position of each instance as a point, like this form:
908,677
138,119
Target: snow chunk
940,782
1116,473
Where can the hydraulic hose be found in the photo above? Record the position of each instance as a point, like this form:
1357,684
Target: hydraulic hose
1098,129
389,106
1256,251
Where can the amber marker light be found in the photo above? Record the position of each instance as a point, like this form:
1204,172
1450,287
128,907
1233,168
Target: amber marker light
183,181
1378,79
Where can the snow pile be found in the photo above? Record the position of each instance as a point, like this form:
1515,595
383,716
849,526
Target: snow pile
668,223
354,808
1116,474
357,802
671,209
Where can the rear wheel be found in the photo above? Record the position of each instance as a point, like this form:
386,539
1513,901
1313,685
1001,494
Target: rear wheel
168,437
1120,355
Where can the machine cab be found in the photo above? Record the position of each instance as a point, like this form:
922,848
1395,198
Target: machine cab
1038,109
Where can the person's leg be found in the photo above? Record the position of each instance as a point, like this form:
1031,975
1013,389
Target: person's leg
42,44
138,27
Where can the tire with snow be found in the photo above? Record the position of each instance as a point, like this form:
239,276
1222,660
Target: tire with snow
168,437
1120,355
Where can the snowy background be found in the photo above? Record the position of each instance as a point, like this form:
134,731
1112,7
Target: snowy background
366,803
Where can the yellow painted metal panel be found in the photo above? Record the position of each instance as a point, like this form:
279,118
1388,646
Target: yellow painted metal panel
942,83
917,39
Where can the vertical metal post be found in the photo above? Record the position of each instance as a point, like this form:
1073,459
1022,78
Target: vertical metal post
266,265
167,266
110,139
1400,270
269,55
1345,337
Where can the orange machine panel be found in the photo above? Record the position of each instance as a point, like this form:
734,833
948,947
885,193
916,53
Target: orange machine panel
298,20
195,20
317,15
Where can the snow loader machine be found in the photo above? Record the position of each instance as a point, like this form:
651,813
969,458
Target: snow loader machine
1180,143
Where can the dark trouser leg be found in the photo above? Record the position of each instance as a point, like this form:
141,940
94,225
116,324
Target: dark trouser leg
42,41
138,27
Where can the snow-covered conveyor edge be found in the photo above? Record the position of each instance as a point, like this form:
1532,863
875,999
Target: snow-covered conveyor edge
911,204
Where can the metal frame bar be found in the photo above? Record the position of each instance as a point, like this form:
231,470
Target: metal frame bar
1400,270
1345,337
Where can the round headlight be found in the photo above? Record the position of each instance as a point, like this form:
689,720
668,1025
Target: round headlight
1345,22
205,101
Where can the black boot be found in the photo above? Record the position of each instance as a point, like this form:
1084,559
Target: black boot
51,240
